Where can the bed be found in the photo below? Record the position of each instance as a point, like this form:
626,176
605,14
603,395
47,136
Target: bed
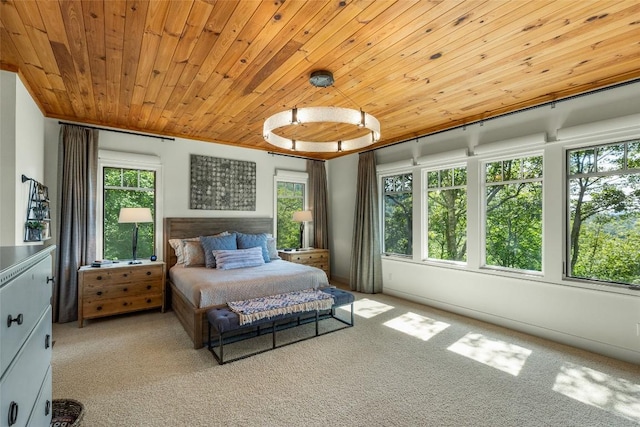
195,290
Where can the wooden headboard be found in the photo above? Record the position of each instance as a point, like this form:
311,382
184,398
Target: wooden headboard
182,228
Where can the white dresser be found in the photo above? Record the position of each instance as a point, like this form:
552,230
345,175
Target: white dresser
26,283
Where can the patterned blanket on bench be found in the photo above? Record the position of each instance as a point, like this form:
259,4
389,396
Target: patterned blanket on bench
291,302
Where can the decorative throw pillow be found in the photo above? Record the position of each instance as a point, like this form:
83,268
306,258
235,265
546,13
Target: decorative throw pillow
271,247
177,245
239,258
246,241
193,254
212,243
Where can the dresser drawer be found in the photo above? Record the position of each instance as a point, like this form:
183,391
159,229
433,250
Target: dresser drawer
25,298
119,290
103,277
309,258
21,383
41,414
99,307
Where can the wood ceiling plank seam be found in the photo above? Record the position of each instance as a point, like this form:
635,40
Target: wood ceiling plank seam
414,67
267,52
37,31
212,106
95,32
444,78
304,83
164,64
300,87
72,16
324,39
154,24
504,109
573,35
342,23
191,51
543,95
193,90
388,13
134,28
547,61
272,38
19,34
43,91
114,23
9,56
169,92
59,45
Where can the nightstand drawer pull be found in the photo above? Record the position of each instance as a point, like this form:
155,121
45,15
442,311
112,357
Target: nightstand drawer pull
125,289
148,273
125,304
149,287
13,413
99,293
99,278
11,319
99,308
47,341
148,300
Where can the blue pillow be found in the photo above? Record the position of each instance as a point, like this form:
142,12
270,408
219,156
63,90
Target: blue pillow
214,243
240,258
246,241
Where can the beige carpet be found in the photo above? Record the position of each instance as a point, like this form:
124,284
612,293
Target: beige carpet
403,364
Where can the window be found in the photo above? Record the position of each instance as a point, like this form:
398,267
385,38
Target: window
398,214
604,212
513,213
291,196
131,188
447,214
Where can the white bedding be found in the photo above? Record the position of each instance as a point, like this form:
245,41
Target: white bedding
205,287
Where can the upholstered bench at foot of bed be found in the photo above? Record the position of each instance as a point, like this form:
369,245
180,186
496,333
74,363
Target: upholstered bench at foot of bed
224,323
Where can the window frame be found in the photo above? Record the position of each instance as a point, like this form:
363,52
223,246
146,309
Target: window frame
594,142
381,177
295,177
121,159
510,155
424,211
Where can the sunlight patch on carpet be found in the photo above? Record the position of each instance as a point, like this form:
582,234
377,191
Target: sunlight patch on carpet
509,358
417,326
367,308
614,395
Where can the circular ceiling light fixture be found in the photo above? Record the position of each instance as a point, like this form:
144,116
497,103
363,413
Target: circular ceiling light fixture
298,116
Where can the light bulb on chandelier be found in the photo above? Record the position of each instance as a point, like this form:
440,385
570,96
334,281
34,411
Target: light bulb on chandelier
304,115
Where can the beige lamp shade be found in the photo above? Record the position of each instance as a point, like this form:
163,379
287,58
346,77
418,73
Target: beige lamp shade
137,215
302,216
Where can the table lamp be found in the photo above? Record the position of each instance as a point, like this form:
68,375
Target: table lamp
135,216
302,217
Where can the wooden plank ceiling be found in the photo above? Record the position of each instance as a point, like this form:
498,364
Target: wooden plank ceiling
214,70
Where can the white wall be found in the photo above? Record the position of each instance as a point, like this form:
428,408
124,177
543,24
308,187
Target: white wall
22,153
175,159
598,318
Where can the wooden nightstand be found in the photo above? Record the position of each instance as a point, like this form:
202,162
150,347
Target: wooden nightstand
120,288
314,257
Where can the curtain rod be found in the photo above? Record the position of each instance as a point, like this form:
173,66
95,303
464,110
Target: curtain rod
119,131
273,153
544,104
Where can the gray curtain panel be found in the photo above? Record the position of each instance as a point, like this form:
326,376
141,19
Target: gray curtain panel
318,200
366,264
77,179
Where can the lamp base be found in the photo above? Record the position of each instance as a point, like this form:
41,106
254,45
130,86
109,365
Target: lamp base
135,262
